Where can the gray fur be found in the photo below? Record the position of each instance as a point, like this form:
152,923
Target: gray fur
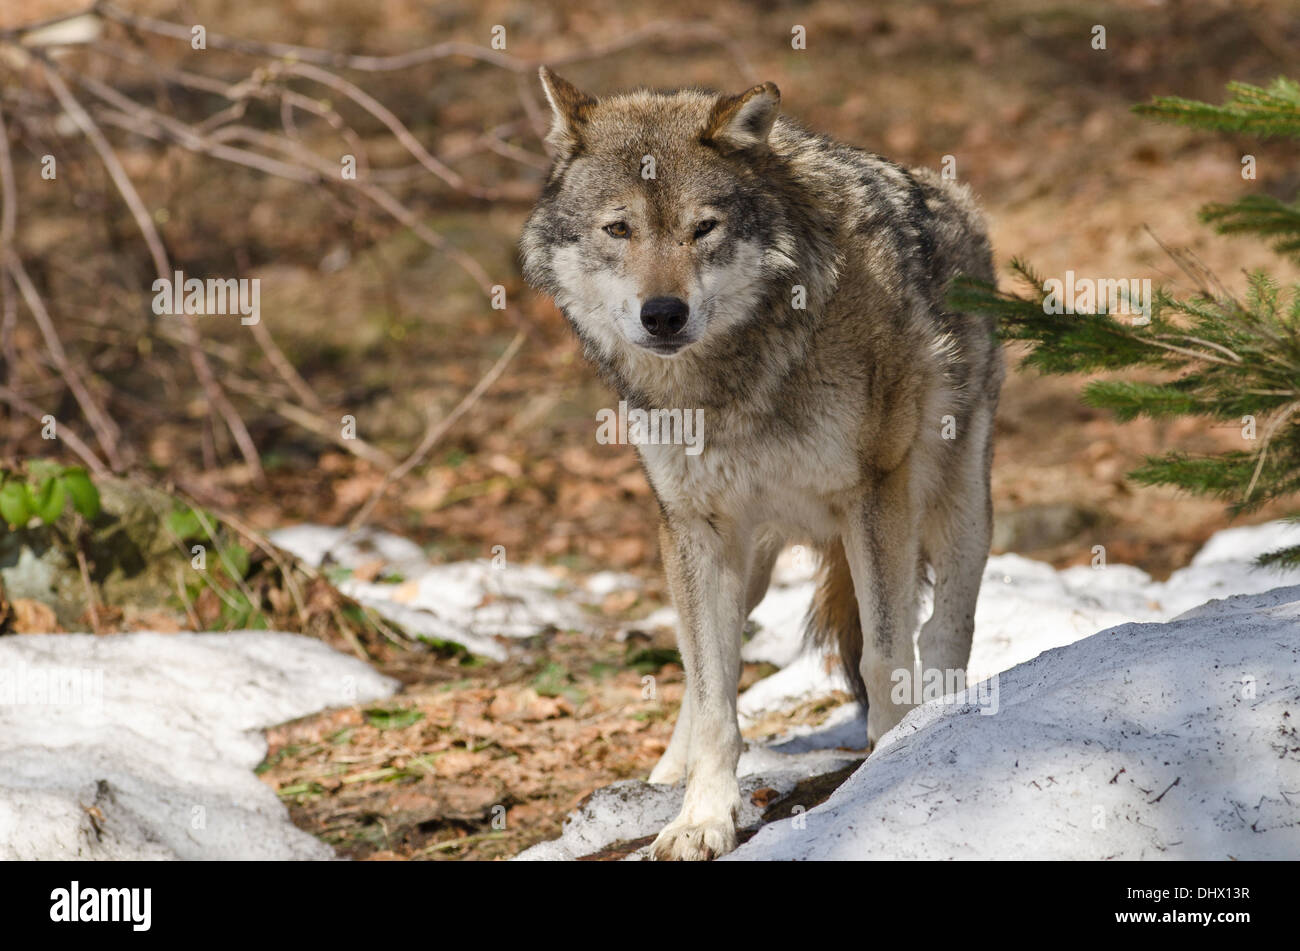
825,423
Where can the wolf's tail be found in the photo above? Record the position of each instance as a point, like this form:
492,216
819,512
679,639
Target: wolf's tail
833,622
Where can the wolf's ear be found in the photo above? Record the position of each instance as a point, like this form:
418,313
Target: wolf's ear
739,123
570,107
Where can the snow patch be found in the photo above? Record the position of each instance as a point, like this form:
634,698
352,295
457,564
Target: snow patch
1175,741
472,603
155,760
1142,703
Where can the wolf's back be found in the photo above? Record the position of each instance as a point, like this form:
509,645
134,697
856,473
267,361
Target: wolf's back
959,244
961,240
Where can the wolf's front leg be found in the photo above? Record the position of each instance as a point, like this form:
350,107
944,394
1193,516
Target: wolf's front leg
707,576
671,767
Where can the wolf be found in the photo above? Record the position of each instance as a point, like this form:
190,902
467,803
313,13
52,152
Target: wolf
712,254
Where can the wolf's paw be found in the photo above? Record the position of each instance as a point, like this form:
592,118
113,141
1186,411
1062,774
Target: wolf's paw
685,841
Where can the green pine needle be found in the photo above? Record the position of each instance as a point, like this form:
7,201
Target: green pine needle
1266,113
1234,362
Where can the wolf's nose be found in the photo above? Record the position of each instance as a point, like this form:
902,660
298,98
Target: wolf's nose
662,316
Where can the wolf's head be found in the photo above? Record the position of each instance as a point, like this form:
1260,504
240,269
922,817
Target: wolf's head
665,223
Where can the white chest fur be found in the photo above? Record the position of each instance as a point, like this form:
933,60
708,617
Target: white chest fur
788,481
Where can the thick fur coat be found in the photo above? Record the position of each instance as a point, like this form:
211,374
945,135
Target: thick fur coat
711,254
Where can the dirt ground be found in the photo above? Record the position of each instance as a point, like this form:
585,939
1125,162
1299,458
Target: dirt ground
1038,123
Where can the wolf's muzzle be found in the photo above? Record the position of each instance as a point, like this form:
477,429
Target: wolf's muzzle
664,316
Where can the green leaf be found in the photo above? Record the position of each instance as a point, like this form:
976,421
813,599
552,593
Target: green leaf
552,681
236,612
13,504
392,719
185,524
38,470
234,559
85,497
48,500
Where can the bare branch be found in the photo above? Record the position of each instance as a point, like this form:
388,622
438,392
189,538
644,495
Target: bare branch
111,164
292,154
308,54
202,369
66,434
275,356
394,124
437,430
8,219
106,432
314,423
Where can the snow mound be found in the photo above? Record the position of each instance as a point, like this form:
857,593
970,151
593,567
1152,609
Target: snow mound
630,810
1178,740
1025,607
142,746
1068,719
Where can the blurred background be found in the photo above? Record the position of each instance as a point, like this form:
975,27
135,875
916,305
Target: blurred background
376,293
383,327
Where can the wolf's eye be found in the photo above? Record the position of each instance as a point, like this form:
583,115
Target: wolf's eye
618,229
704,227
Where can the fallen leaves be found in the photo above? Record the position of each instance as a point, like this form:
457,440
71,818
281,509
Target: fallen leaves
481,767
528,705
26,616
